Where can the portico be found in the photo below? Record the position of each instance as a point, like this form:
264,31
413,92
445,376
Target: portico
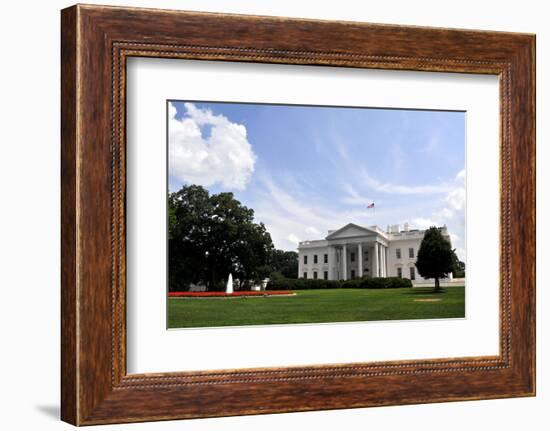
356,259
349,252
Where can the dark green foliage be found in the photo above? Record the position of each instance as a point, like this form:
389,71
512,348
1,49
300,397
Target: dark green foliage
276,275
285,263
396,282
211,236
353,283
459,268
436,258
356,283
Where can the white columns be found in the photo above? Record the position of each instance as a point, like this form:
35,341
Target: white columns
381,259
331,262
360,259
344,262
375,272
385,261
384,274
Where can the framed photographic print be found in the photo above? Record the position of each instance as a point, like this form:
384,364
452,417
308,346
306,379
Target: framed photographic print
264,215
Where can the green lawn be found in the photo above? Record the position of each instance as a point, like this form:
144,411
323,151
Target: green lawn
315,306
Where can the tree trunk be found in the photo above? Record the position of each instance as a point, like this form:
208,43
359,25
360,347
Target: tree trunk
436,288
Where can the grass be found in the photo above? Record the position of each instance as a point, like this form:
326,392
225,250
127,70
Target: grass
318,306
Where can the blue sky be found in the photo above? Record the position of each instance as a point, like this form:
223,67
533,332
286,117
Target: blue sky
307,169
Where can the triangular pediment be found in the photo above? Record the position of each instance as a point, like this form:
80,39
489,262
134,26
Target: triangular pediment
350,230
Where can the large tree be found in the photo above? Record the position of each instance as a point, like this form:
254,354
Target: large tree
436,259
285,263
211,236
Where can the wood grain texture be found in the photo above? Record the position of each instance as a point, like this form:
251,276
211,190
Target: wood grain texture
69,397
96,41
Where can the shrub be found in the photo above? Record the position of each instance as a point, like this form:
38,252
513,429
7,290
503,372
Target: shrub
356,283
376,283
276,275
396,282
333,284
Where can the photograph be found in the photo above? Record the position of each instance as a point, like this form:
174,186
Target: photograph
284,214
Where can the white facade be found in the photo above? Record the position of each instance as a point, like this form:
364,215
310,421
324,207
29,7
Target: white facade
355,251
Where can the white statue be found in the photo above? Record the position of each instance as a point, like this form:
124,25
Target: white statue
229,285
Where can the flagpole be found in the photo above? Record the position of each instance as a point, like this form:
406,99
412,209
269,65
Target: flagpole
373,206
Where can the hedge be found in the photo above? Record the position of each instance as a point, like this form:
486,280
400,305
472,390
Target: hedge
356,283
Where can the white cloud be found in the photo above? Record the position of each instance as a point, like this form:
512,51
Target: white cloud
375,184
452,213
444,213
294,214
172,111
456,199
423,223
354,197
402,189
290,218
293,239
223,156
311,230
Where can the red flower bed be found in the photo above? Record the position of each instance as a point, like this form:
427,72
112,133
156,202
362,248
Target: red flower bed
223,294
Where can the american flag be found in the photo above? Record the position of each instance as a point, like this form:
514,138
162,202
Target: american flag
370,205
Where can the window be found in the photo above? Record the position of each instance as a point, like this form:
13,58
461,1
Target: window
352,273
412,271
314,258
411,252
305,260
398,253
399,272
305,274
366,256
325,258
352,256
315,275
325,275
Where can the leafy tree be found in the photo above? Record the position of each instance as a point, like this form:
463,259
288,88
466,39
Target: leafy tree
435,258
211,236
459,268
285,263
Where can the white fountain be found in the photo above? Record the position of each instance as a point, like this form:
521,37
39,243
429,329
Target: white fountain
229,285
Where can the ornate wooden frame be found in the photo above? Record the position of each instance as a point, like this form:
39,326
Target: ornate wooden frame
95,42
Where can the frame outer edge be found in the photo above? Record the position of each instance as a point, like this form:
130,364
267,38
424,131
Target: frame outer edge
532,83
523,216
87,396
533,55
69,201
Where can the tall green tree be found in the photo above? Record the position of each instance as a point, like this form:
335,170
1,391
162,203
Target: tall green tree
435,258
285,263
211,236
459,268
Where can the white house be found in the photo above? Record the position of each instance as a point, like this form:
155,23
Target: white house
355,251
